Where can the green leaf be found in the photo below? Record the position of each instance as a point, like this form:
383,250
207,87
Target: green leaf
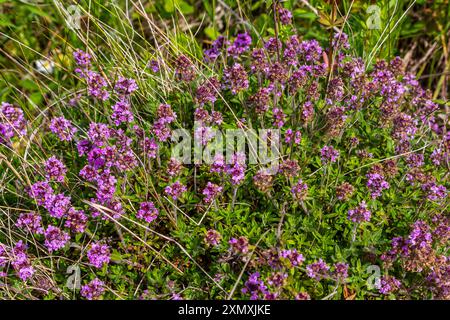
212,33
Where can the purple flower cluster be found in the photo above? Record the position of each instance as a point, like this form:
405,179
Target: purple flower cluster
211,191
125,87
434,191
55,169
184,69
376,184
318,270
122,112
212,237
93,289
165,116
55,238
147,212
18,258
208,91
329,154
30,222
254,286
285,15
40,191
235,78
175,190
99,255
76,220
340,271
213,53
360,213
240,45
12,122
236,169
300,190
97,86
295,258
82,59
63,128
239,246
388,284
344,191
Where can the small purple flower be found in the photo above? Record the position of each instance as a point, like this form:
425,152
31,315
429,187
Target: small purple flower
254,286
259,61
307,111
57,205
12,122
300,190
277,279
150,147
30,222
341,271
154,65
261,100
55,169
211,191
93,289
317,270
376,184
40,191
240,45
218,164
285,15
295,258
213,53
99,255
76,220
204,134
388,284
125,86
236,169
329,154
289,136
434,192
212,237
3,255
208,91
96,86
176,190
344,191
302,296
272,45
63,128
310,50
161,130
415,160
82,58
122,113
106,186
340,40
174,167
184,69
235,78
438,156
360,213
279,117
55,239
20,261
239,245
165,114
147,212
99,133
83,147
